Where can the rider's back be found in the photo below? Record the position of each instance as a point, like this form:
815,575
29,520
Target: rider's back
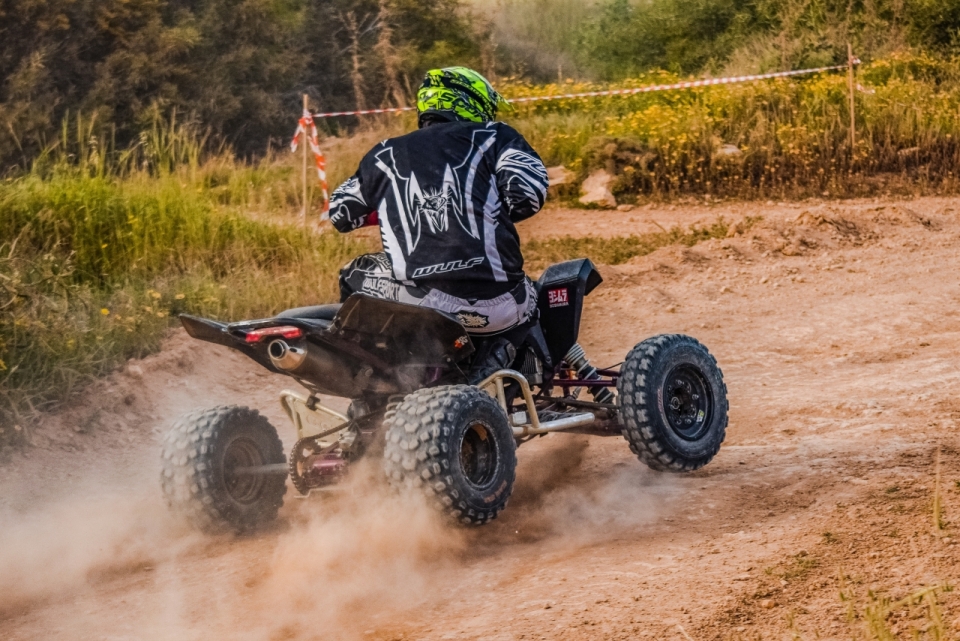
447,197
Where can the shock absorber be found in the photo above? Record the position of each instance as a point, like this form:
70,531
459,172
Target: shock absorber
577,359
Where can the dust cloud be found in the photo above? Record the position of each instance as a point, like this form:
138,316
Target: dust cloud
84,536
565,498
336,566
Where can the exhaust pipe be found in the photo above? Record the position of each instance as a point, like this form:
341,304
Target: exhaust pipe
286,357
322,367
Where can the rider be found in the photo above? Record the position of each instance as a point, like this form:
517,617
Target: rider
446,198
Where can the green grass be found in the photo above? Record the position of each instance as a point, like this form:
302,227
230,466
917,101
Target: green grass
619,249
97,259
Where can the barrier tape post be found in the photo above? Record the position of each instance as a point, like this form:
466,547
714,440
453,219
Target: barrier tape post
850,86
691,84
308,128
303,209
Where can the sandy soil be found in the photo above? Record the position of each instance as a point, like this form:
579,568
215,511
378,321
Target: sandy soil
836,325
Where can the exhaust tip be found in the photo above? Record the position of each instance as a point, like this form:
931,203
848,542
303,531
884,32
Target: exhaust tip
284,356
277,350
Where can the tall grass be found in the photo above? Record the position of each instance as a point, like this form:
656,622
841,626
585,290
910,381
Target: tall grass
98,254
920,613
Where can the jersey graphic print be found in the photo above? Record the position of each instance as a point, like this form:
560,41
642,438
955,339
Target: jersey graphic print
447,198
442,268
525,178
473,320
346,195
434,207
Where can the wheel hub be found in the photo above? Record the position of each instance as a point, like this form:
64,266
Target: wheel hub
688,402
243,488
478,455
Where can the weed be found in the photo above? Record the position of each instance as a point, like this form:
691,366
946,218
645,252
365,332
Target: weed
619,249
800,565
883,617
938,522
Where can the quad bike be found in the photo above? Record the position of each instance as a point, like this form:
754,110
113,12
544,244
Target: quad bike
408,372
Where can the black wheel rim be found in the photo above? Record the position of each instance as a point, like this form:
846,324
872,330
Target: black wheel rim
242,488
478,455
687,402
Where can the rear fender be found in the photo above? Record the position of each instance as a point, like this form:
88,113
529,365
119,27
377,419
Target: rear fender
233,335
371,346
207,330
398,334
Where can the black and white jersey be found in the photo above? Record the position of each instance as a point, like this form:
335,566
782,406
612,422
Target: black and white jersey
446,198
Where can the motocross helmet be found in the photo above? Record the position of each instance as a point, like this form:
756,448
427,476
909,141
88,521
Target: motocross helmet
460,92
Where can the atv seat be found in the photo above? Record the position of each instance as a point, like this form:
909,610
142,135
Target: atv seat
313,312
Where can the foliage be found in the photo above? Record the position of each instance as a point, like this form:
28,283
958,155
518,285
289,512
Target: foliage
239,67
775,138
617,39
97,260
536,39
680,35
881,618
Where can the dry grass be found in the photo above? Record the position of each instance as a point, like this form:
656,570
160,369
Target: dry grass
98,257
620,249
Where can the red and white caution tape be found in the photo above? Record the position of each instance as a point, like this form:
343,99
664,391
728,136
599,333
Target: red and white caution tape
692,84
307,127
363,112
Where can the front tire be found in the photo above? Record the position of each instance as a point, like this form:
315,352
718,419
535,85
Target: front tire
673,403
200,454
454,444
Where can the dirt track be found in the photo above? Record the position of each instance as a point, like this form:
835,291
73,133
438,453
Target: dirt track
837,328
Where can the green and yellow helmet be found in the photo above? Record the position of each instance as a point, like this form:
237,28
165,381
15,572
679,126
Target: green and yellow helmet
460,91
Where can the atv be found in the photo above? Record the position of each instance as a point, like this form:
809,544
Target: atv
417,401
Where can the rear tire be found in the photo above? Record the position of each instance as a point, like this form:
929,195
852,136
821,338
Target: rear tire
673,403
199,454
454,444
